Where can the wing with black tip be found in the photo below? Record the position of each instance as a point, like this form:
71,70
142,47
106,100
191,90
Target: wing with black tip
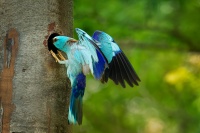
120,69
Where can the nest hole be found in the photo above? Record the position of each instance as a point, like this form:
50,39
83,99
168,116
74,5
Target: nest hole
50,43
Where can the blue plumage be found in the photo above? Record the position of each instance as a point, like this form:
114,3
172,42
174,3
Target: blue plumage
84,56
99,55
99,66
105,45
120,69
75,108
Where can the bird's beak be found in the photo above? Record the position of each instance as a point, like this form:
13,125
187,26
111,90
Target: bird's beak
72,40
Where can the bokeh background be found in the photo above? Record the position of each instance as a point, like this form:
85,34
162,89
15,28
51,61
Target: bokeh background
162,40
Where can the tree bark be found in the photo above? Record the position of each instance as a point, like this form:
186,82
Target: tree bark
34,90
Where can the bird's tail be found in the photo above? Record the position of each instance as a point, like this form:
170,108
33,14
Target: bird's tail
76,107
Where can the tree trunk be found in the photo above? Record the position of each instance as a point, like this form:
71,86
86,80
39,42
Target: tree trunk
34,90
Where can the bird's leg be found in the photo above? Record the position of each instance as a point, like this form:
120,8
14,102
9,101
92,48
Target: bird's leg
64,62
54,55
61,56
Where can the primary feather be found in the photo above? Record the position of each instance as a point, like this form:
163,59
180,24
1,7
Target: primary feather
120,69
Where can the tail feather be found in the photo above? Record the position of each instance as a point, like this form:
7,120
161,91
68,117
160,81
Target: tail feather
76,104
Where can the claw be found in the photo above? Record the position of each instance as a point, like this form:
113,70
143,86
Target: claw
54,55
61,56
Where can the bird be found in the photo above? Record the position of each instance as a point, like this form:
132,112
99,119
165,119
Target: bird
84,56
99,55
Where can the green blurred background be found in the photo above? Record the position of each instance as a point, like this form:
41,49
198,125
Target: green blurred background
162,40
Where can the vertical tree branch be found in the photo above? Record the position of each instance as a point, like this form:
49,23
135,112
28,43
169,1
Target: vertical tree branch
40,89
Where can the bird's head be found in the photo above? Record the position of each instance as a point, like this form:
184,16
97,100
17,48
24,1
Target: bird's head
61,41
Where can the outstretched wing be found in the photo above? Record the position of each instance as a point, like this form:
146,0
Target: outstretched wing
120,69
99,61
75,108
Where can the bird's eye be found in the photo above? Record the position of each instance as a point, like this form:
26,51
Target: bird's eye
55,39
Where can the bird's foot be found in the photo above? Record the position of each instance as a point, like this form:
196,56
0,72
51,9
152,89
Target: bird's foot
61,56
54,55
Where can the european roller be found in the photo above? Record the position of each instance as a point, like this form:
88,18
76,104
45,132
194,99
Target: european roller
98,55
